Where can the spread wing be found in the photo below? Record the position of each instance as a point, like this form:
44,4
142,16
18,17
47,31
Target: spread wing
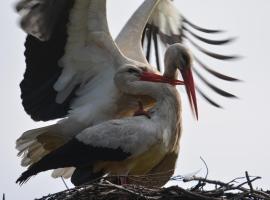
40,17
129,39
67,47
167,26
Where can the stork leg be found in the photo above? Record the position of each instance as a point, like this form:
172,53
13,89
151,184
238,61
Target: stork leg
123,180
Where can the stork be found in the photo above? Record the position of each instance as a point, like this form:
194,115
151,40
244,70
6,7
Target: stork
127,146
83,87
167,26
66,69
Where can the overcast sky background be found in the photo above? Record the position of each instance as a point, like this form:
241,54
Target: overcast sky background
231,140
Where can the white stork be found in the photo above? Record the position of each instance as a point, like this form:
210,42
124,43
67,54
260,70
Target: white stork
67,75
79,84
127,146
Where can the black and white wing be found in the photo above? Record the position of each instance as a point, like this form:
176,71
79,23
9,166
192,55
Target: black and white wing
67,47
167,26
40,18
115,140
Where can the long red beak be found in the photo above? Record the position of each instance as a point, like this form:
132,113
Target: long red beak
152,77
190,88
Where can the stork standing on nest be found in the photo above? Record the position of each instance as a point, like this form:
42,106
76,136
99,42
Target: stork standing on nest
67,75
128,146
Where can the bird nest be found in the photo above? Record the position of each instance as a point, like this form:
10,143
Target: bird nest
203,189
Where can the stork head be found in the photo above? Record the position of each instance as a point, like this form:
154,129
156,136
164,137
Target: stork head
129,75
177,57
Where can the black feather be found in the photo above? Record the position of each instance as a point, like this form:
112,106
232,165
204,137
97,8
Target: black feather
208,41
155,32
85,174
149,42
212,54
215,73
212,102
42,71
214,88
73,154
200,28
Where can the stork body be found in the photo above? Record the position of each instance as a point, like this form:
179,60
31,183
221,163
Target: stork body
128,146
71,62
88,67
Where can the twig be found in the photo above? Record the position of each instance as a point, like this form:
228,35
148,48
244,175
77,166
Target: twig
195,195
205,164
104,189
256,193
249,182
129,191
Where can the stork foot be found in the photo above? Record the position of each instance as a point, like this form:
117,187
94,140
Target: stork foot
141,111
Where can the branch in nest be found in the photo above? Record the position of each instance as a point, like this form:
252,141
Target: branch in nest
104,189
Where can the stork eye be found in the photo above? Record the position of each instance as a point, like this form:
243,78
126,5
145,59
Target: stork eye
132,70
186,59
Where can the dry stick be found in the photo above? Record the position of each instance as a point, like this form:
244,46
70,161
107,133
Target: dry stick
127,190
235,180
249,182
200,183
258,194
77,191
207,169
196,195
107,187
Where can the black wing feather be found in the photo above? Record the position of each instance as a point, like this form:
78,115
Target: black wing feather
42,71
215,73
200,28
213,87
208,41
171,39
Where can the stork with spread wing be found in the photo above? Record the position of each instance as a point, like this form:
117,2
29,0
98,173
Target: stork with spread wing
168,26
70,72
71,63
127,146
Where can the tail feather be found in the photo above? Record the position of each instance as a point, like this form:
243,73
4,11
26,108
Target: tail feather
35,144
60,158
23,146
33,170
25,176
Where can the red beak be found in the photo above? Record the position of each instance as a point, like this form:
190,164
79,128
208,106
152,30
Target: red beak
188,82
152,77
190,88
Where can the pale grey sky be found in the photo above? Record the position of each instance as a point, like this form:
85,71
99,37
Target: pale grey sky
231,141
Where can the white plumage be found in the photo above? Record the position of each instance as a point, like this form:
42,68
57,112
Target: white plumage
167,18
88,65
126,142
91,59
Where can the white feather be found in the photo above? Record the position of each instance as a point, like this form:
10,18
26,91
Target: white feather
124,133
167,18
63,172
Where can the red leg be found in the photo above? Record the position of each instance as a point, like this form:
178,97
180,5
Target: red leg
123,180
141,111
